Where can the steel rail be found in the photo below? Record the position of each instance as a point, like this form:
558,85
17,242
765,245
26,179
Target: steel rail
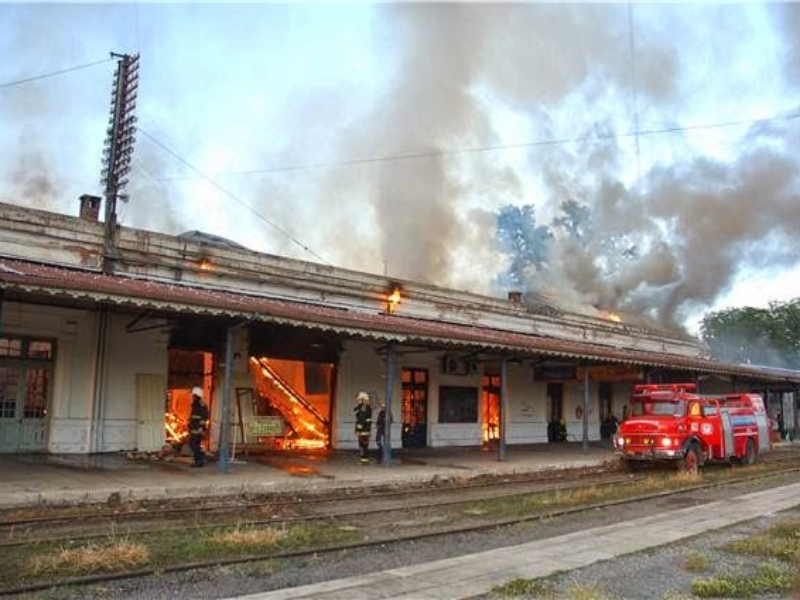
288,499
382,510
92,579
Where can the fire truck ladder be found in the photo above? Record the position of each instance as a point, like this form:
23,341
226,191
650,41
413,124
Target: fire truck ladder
289,401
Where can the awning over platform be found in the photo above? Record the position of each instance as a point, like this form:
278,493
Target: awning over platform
24,279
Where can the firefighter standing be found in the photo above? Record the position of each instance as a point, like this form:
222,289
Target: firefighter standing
198,424
363,413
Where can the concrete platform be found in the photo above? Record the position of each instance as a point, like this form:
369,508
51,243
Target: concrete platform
473,574
44,479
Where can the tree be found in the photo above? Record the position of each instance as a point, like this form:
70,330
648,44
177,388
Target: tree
519,237
575,219
761,336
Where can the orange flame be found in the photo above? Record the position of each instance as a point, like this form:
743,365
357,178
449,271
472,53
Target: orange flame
177,429
393,300
610,316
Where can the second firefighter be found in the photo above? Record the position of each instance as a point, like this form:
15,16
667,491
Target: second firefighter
363,412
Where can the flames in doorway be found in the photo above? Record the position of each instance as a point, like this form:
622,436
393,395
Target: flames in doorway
298,393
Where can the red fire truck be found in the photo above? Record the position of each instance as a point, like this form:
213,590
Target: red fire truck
671,422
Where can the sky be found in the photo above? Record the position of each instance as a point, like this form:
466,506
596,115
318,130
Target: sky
385,137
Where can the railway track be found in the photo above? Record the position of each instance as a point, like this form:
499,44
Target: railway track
287,511
779,467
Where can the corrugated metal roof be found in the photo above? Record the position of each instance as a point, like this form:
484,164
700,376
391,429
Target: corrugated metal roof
33,278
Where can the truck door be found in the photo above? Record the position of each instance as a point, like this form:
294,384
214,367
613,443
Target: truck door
727,432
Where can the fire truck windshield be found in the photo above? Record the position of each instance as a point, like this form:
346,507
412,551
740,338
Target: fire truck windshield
641,408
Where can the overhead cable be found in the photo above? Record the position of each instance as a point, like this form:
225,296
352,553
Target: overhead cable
231,195
499,147
9,84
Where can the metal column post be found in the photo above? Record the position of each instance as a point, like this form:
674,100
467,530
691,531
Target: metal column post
387,440
501,448
585,444
225,417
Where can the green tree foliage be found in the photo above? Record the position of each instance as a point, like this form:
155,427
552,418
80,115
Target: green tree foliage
760,336
519,237
575,219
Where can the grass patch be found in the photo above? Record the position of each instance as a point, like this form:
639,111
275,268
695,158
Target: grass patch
695,561
509,508
47,561
247,536
543,589
116,554
781,540
584,592
769,578
524,588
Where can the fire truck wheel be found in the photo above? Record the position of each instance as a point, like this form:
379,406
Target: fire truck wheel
690,461
750,456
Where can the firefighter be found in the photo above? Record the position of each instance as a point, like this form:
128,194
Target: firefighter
198,425
363,413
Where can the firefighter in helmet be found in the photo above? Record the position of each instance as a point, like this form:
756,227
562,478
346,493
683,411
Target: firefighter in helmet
363,412
198,425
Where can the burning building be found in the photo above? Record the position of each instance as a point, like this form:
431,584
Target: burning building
97,362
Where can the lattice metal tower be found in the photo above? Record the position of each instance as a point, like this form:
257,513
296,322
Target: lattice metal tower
118,149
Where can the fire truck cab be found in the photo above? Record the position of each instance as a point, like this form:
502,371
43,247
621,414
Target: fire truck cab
672,423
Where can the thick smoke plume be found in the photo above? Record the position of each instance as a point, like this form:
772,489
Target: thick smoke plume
668,223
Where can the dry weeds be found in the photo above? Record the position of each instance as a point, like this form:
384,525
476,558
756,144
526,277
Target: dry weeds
115,555
244,535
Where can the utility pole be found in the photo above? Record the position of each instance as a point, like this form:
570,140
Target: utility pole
118,147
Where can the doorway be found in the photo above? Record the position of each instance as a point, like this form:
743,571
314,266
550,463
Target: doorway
291,402
26,381
187,369
490,418
556,428
415,407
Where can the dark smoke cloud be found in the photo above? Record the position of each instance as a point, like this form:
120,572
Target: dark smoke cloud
696,225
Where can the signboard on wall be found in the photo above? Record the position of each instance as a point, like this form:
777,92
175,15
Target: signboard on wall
264,426
554,373
613,373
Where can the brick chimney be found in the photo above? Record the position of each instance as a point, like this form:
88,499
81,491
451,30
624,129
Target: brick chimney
90,207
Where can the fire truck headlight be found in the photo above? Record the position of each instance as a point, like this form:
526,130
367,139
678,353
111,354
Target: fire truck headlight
666,442
620,441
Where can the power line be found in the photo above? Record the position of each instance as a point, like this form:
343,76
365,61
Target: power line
9,84
231,195
497,148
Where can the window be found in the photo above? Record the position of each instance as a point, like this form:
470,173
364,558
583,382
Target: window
675,409
40,350
10,347
458,404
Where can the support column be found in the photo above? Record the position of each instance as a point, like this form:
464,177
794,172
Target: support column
387,439
96,421
225,417
585,444
501,447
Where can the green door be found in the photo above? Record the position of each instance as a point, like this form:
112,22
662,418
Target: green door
26,373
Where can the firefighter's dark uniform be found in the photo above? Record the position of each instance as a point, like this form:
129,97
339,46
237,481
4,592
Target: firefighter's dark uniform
363,426
197,427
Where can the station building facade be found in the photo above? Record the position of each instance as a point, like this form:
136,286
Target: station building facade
99,359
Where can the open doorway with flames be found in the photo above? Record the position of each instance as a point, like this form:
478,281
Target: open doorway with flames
290,403
187,369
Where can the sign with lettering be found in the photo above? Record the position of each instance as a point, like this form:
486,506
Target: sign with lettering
264,426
